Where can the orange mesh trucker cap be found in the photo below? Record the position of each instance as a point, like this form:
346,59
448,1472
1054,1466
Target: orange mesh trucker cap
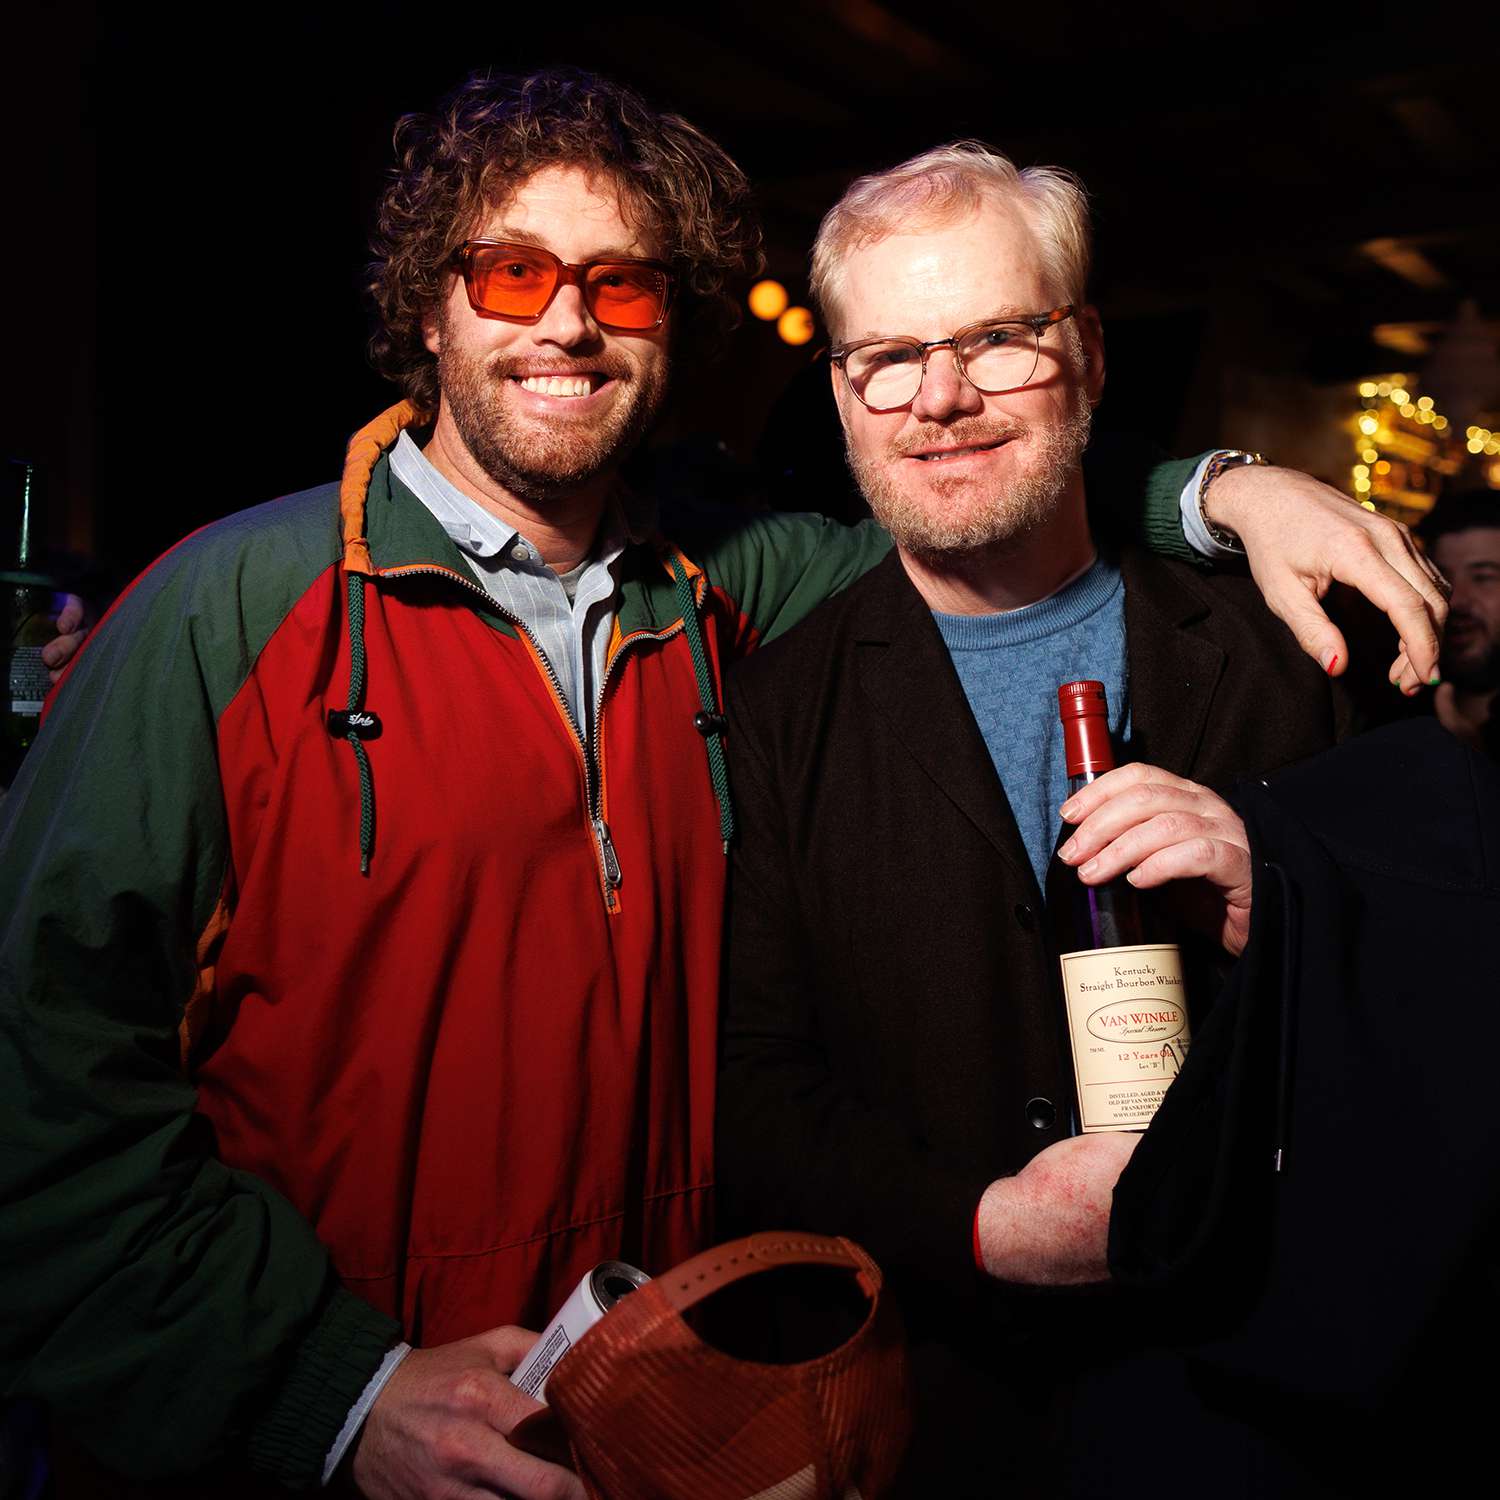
652,1412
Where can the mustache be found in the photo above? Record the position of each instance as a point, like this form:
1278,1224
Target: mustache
967,432
512,366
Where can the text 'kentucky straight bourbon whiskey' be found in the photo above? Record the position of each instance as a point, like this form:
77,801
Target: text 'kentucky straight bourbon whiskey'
1126,1013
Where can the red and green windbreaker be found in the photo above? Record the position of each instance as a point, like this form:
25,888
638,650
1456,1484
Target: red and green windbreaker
263,1113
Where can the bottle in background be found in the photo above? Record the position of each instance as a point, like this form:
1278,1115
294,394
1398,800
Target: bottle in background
26,603
1125,1013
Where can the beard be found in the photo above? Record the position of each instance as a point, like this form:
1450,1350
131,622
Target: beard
532,459
1473,667
945,519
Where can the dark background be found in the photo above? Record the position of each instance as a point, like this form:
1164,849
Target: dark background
1277,188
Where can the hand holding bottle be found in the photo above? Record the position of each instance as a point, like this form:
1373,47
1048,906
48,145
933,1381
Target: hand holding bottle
1156,828
72,625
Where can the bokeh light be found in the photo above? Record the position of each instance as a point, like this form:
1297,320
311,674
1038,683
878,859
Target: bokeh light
796,325
768,300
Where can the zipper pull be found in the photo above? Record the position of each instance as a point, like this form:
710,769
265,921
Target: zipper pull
607,851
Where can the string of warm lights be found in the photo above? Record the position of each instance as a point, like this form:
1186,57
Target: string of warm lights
1372,432
1482,440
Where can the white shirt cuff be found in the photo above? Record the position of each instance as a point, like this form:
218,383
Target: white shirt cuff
1194,532
361,1409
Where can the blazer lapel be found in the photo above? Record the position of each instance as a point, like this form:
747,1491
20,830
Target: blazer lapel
1174,668
907,676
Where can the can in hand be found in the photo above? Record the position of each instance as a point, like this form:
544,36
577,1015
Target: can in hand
594,1295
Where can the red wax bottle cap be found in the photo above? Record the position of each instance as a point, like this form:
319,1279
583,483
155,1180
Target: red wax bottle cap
1085,719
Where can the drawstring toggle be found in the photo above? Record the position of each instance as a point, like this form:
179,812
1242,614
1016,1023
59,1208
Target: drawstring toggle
359,722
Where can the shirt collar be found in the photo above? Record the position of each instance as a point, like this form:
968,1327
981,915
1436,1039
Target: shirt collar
483,535
470,526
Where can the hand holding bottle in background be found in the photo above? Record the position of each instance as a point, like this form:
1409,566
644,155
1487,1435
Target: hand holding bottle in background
42,629
72,625
1159,829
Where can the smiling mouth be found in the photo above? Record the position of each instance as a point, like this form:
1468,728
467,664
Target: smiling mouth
584,384
943,455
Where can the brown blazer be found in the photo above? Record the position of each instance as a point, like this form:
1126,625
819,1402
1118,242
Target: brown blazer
890,1008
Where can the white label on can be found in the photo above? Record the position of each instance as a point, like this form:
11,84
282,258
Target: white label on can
574,1319
550,1348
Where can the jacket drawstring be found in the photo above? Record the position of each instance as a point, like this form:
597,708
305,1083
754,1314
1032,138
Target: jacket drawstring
709,722
356,723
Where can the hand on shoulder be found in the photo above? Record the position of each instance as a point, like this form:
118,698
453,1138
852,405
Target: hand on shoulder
1301,536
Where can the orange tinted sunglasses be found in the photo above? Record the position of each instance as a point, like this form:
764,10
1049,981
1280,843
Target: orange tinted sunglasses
506,280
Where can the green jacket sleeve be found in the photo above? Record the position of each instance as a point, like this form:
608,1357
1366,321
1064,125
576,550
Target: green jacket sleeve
168,1310
1135,495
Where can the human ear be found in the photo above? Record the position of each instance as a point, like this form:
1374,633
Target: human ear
1091,336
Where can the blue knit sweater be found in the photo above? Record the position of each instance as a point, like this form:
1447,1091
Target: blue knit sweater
1010,666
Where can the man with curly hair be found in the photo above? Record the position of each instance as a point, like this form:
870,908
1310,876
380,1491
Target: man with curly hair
364,892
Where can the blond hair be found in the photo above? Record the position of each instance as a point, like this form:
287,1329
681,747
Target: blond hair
943,185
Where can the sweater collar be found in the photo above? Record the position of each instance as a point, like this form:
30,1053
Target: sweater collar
1082,596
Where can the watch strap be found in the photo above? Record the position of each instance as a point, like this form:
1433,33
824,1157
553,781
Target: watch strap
1225,458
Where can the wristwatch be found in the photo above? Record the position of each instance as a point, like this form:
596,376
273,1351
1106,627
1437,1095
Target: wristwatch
1225,458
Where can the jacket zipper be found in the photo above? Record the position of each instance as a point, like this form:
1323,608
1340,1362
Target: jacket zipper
595,766
605,854
595,756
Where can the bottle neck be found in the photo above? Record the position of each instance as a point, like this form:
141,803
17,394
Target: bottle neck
1086,747
23,548
1077,783
17,513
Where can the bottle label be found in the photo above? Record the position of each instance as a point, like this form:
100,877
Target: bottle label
29,681
1128,1025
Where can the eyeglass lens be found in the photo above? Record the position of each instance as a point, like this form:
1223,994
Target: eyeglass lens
997,357
518,281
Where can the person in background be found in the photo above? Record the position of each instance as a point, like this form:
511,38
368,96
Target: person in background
363,891
1462,535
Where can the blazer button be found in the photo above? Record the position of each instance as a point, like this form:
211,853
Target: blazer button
1026,917
1041,1114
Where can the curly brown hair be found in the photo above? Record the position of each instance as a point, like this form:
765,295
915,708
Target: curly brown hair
456,164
